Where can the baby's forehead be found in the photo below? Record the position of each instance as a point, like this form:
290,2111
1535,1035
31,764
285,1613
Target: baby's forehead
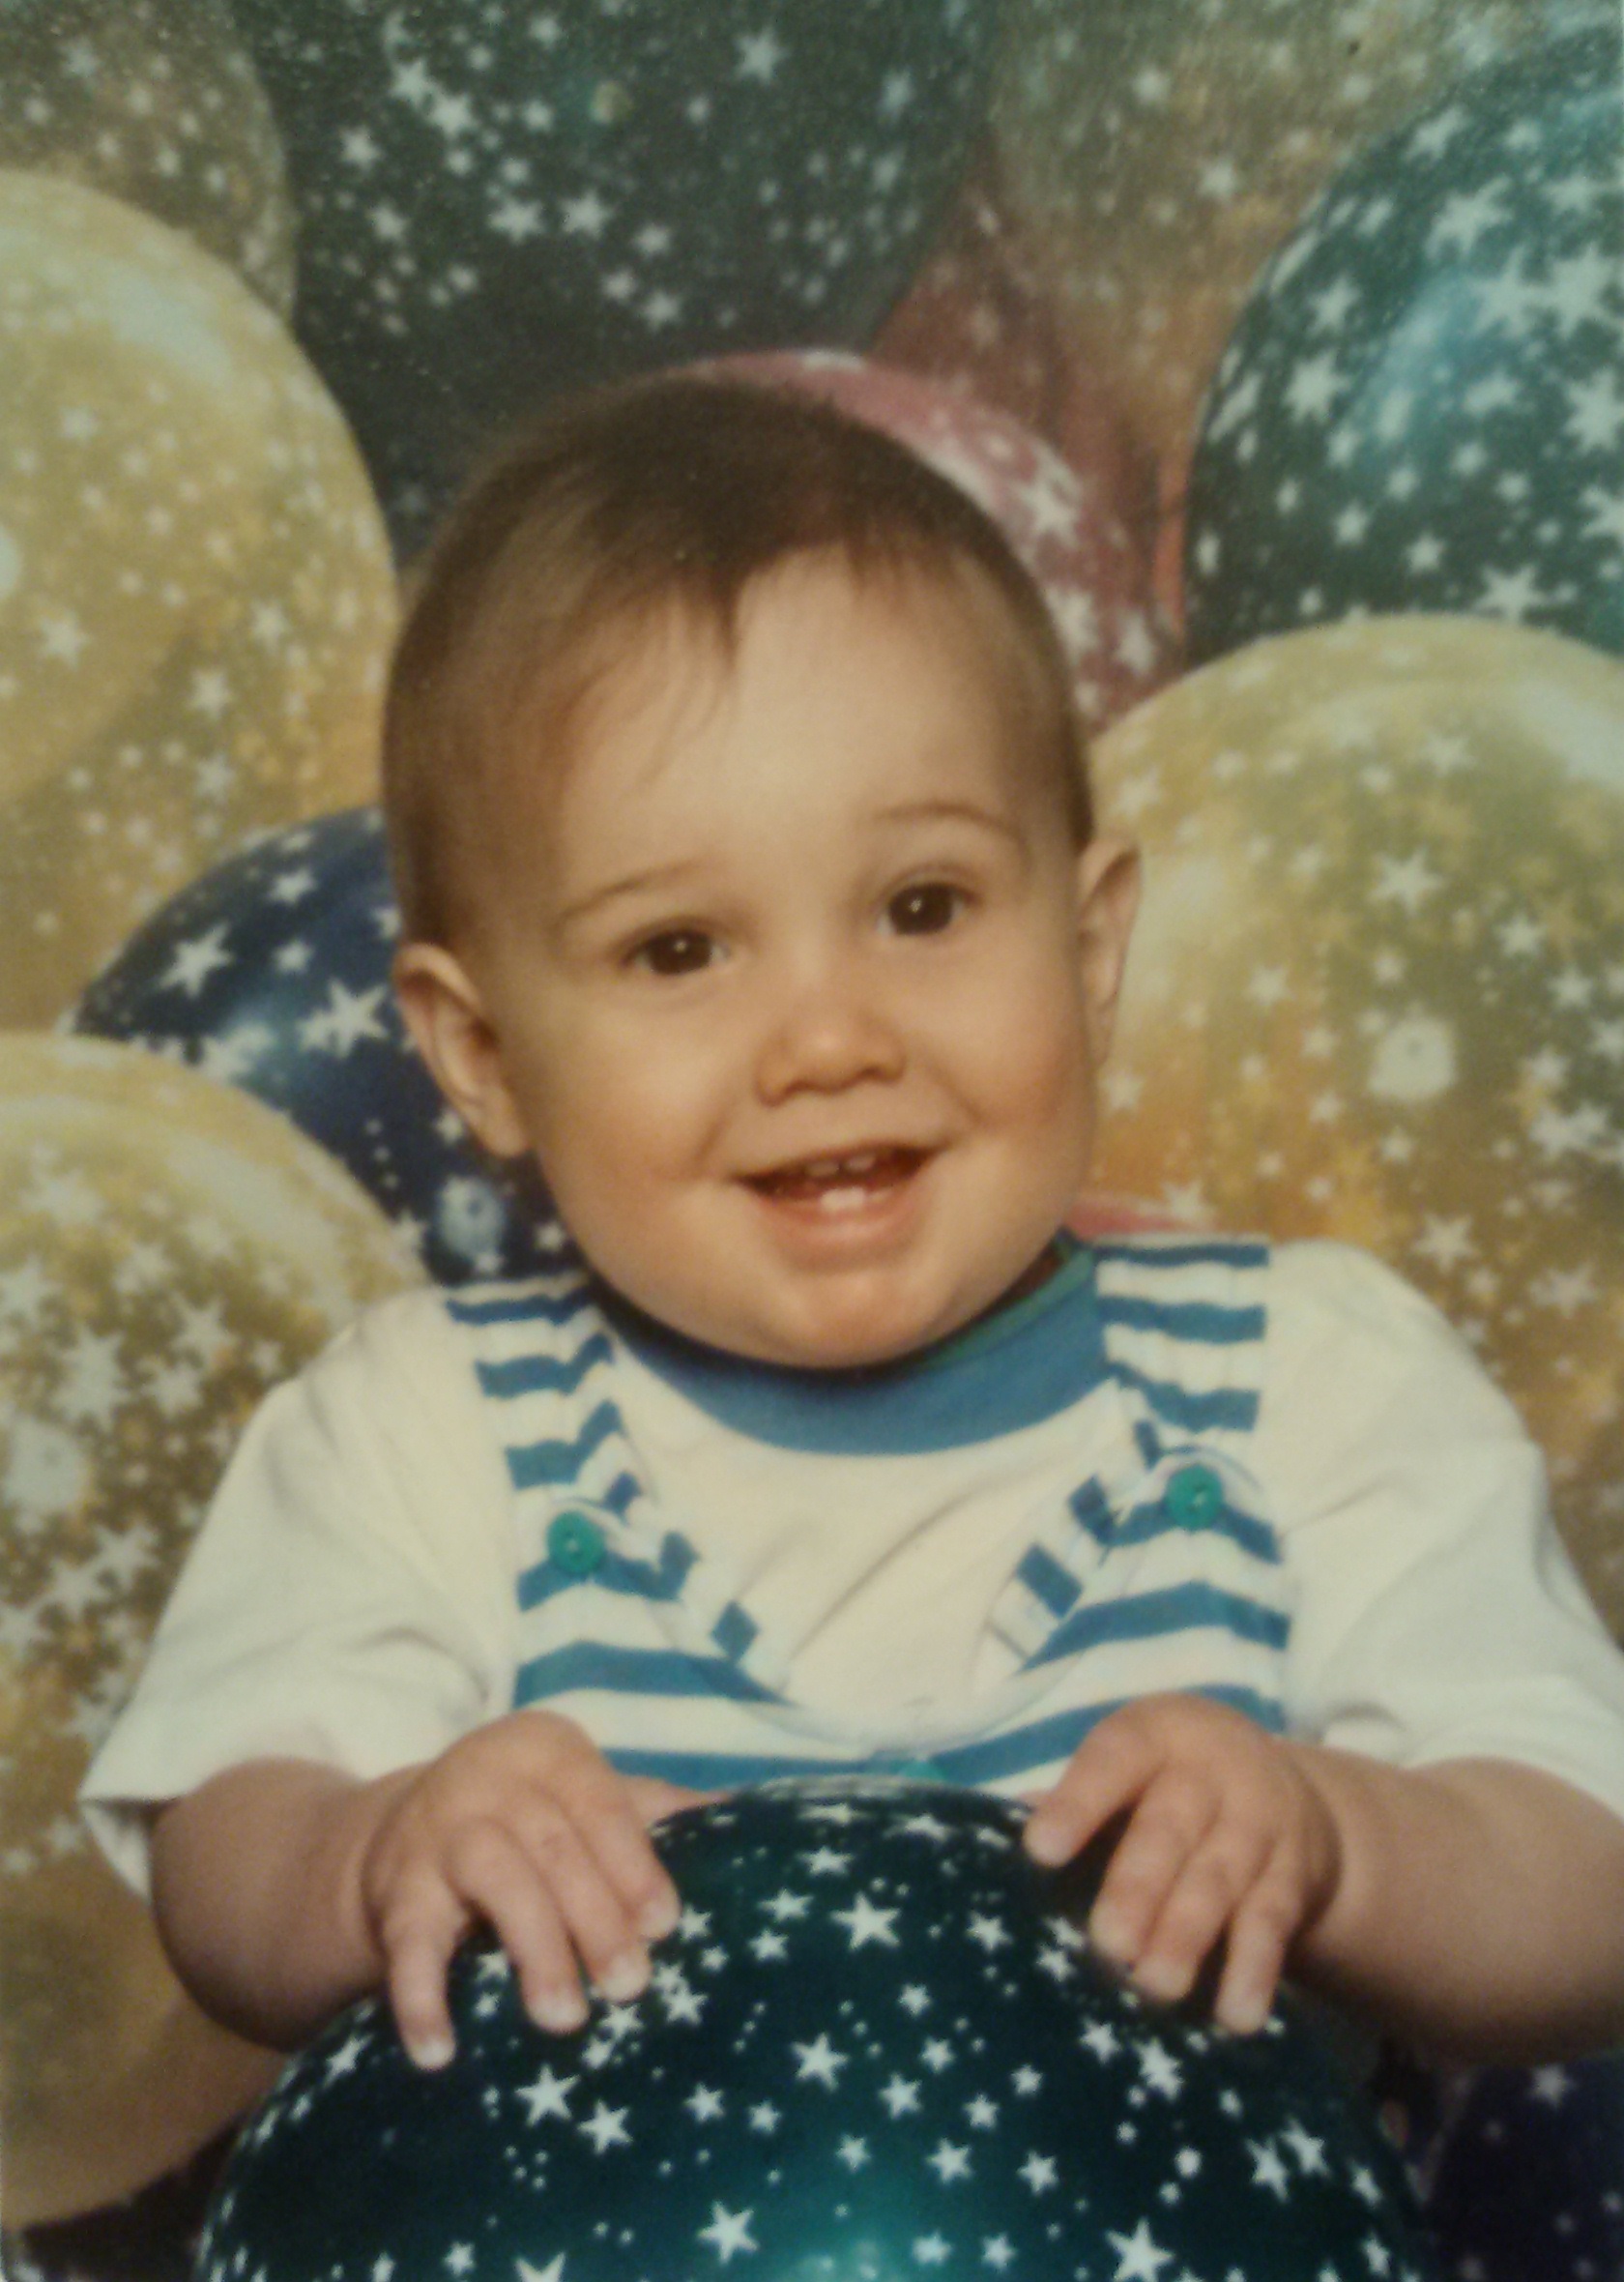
641,733
678,655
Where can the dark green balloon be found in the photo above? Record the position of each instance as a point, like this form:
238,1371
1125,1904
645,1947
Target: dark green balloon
876,2048
1422,408
501,199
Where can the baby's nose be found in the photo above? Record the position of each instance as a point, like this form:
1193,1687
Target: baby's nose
829,1037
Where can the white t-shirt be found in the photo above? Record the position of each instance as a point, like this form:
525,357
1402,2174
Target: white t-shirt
352,1596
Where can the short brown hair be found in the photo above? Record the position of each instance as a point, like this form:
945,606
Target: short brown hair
675,490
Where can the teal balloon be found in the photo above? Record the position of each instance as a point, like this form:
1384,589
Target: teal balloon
500,199
1422,408
876,2047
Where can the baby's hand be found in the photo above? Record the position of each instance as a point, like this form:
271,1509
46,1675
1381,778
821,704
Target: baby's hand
1227,1839
523,1826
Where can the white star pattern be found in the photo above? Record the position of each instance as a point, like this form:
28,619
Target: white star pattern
745,2180
819,2062
728,2233
1498,269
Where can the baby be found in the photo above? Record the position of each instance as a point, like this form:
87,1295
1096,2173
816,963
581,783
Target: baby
749,884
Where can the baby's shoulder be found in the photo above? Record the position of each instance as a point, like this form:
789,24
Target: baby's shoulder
1351,1343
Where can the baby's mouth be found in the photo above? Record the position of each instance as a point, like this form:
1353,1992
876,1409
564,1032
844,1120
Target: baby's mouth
840,1184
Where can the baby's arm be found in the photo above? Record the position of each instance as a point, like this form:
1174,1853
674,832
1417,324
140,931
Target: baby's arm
284,1889
1475,1907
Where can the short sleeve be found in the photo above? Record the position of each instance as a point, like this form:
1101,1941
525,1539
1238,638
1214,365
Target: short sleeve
349,1597
1439,1615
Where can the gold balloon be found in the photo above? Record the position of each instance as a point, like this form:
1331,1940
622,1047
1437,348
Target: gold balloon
1378,991
169,1248
156,101
1157,152
196,597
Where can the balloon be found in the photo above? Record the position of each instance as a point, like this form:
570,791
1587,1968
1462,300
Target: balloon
497,204
875,2046
1158,150
271,972
1420,409
1530,2184
168,1250
196,590
158,102
978,318
1097,583
1378,991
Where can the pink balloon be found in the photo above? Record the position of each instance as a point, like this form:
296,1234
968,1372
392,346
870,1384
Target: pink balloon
1061,520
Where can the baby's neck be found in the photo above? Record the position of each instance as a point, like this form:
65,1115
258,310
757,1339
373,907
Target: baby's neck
647,1329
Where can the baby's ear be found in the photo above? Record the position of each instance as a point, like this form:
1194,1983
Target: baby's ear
1108,874
446,1015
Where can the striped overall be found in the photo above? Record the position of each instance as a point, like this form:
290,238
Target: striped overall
1160,1570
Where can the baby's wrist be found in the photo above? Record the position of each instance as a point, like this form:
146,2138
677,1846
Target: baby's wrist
355,1817
1325,1836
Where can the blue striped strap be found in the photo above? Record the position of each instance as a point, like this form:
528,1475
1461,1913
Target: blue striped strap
1154,1615
994,1759
661,1579
1201,1321
1155,1520
1231,1408
543,1374
1211,1252
999,1757
554,1307
1048,1581
662,1673
551,1464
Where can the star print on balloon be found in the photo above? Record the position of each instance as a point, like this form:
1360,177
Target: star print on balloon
876,2047
195,581
979,319
1377,991
155,101
169,1250
1094,579
1529,2186
1157,152
1421,408
271,972
499,200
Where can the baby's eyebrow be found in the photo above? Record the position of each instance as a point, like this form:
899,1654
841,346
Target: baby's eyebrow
657,875
965,811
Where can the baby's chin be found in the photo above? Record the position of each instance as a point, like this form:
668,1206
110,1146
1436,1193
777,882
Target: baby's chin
854,1336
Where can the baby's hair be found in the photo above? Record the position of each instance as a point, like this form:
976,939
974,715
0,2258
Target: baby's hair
675,491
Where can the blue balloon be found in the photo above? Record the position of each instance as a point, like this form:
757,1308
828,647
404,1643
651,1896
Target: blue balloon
499,202
1421,408
877,2047
271,972
1528,2183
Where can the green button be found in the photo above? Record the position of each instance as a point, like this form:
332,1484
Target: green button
918,1770
1194,1496
576,1544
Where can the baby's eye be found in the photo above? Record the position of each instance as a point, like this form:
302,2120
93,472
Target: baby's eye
925,909
676,950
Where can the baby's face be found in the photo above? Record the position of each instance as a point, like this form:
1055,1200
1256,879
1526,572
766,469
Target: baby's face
797,984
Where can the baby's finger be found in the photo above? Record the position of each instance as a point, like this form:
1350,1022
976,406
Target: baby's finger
655,1799
526,1916
1165,1832
596,1915
607,1813
1260,1935
1104,1775
1198,1908
418,1937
